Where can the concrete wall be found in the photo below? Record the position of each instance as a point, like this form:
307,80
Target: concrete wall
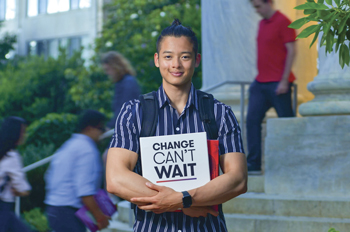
308,156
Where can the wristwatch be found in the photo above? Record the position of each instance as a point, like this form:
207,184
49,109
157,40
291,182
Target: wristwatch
186,199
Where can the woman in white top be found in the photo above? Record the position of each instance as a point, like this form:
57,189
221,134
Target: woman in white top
12,179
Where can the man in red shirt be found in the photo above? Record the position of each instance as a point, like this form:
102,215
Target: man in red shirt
272,86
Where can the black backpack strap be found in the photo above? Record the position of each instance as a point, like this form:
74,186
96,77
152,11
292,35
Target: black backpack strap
206,113
149,105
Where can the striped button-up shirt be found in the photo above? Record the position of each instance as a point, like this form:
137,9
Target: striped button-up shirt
127,131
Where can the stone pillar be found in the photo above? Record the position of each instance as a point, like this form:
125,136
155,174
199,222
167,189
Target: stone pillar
331,88
229,31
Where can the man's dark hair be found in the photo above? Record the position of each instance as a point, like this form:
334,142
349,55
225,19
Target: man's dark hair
10,133
177,30
90,118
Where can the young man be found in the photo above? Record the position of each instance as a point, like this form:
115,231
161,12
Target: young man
74,177
177,56
272,86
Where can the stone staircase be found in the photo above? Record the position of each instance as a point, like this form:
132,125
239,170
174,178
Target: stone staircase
257,211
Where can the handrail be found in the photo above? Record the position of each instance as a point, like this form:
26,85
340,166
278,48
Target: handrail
242,84
47,160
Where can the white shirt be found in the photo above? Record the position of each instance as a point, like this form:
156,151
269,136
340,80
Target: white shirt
11,165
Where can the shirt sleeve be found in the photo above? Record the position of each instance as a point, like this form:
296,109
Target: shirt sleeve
287,34
230,139
125,131
17,176
87,173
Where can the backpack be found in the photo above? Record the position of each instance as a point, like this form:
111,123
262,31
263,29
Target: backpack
149,104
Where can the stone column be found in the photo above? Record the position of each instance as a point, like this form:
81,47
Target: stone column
331,88
229,31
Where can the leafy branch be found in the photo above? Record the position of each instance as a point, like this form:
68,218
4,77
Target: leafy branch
333,21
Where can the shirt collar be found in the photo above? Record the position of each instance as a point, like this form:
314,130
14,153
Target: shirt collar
273,17
83,137
163,98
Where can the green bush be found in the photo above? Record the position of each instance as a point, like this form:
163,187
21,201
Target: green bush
33,87
32,154
332,230
52,129
37,220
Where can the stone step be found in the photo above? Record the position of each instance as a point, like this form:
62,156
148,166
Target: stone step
125,213
117,226
268,223
256,183
263,204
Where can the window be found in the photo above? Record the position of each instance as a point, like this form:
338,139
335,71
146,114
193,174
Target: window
32,8
50,48
7,9
36,7
55,6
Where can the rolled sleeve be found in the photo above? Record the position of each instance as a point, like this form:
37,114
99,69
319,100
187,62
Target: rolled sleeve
288,34
230,139
125,131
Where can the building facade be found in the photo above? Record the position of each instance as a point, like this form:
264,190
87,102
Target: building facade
42,26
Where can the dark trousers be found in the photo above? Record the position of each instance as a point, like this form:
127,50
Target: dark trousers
262,96
9,222
63,219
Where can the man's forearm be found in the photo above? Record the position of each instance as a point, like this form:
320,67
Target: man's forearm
100,217
225,187
120,178
129,185
289,61
91,204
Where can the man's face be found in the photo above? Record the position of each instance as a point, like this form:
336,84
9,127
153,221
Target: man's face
109,70
262,8
176,61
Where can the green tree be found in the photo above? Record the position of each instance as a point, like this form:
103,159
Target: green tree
132,28
37,86
6,45
333,17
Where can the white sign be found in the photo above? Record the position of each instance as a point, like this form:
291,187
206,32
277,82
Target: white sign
180,162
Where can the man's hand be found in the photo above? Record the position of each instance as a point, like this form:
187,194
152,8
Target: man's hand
282,87
167,200
19,194
199,211
100,217
102,221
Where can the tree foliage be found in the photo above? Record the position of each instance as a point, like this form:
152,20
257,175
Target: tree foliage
33,87
132,28
6,45
333,17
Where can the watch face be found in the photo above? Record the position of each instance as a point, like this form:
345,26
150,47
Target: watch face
186,200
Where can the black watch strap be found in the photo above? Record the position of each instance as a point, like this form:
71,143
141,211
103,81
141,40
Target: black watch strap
186,199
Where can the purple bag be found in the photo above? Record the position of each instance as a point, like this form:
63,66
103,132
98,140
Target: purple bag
104,203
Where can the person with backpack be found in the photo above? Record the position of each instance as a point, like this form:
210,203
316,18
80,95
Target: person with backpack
177,111
13,180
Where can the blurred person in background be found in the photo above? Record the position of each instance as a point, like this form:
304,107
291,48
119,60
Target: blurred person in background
12,179
126,88
75,176
276,50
